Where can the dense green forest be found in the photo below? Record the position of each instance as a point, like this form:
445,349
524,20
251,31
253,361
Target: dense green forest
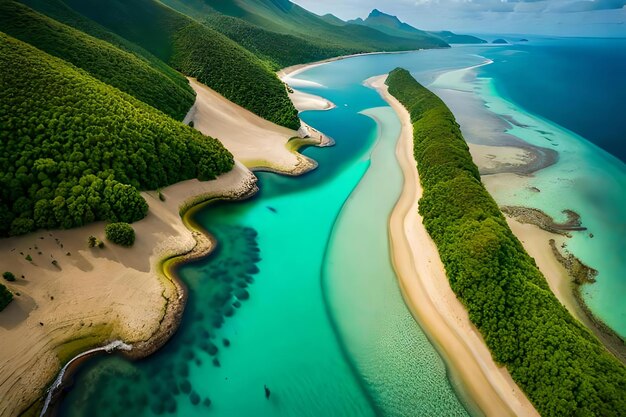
74,150
60,12
102,60
286,17
197,51
279,49
562,367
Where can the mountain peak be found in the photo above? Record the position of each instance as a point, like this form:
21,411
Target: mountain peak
378,13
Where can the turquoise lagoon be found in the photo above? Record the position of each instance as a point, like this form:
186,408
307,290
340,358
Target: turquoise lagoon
300,295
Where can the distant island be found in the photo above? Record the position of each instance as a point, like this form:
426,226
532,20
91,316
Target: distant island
499,41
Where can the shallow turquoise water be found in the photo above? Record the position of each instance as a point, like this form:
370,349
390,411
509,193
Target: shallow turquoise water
321,321
586,178
264,309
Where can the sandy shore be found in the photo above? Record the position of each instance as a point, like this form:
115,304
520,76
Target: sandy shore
305,101
98,295
536,241
256,142
483,384
95,295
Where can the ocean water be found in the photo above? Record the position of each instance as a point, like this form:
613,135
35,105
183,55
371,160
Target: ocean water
576,83
565,95
300,295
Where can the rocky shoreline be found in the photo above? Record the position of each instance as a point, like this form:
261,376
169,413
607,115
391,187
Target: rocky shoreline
545,222
579,272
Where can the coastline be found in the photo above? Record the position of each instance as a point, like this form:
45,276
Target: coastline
506,162
256,142
562,273
173,242
97,295
425,288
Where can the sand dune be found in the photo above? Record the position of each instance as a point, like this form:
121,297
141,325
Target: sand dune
256,142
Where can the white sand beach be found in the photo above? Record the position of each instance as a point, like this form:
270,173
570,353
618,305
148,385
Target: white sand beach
431,300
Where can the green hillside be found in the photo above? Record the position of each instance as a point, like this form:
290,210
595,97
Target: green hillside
283,16
74,150
197,51
563,369
279,49
333,20
102,60
60,12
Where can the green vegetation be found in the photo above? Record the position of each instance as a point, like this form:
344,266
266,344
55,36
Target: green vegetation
93,242
60,12
74,150
9,276
121,233
236,73
562,367
281,50
285,17
102,60
197,51
5,297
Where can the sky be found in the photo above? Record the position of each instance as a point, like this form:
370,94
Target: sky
542,17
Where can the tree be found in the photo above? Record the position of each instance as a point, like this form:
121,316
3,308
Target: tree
120,233
9,276
6,297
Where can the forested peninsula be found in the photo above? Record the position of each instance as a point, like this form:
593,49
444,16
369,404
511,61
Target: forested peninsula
561,366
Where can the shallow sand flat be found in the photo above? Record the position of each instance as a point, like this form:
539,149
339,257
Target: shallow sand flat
94,294
498,158
305,101
256,142
431,300
536,242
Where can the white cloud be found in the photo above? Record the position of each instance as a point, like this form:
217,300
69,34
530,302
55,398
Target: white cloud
551,17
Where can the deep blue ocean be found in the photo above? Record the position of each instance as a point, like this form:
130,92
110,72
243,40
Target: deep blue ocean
579,83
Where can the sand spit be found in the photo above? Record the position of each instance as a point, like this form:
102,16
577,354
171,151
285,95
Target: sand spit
424,284
256,142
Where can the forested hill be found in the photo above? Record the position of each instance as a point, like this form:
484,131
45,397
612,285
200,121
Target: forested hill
563,369
74,150
192,48
285,17
102,60
281,50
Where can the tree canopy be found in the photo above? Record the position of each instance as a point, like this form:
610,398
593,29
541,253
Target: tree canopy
5,297
562,367
74,150
100,59
195,50
120,233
